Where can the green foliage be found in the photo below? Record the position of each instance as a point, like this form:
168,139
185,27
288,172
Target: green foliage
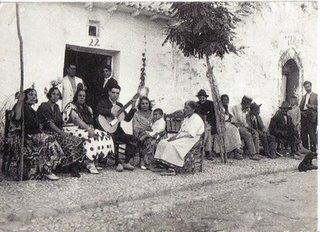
202,28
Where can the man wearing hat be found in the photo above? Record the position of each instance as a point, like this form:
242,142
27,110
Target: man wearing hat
309,113
250,137
282,128
206,112
255,123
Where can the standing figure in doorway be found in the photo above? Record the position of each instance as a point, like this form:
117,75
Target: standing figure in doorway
309,113
69,85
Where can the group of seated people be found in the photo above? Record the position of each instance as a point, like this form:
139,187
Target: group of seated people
291,125
74,138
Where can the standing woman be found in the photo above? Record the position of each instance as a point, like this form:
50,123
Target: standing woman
50,117
141,123
43,153
79,119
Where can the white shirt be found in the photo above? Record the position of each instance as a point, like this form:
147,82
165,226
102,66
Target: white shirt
69,89
106,80
307,100
157,127
239,115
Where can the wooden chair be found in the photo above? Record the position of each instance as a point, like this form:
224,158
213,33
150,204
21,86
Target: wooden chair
194,158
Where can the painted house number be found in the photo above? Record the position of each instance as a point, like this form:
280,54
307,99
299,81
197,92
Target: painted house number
94,43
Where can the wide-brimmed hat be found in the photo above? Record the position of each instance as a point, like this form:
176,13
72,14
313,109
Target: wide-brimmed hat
285,105
202,92
254,106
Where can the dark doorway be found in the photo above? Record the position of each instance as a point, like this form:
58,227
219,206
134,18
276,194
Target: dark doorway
291,72
89,62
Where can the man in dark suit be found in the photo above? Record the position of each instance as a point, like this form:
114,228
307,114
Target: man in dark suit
282,128
104,108
309,112
206,112
104,83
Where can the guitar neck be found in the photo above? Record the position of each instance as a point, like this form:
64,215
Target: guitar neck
123,108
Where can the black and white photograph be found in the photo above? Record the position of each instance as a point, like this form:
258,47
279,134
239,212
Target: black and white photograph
159,116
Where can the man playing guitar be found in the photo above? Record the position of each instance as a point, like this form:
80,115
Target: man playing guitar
104,108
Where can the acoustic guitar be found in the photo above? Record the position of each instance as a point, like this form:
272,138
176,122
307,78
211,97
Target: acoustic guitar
111,124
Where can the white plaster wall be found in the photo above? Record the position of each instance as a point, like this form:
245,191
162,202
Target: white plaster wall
172,79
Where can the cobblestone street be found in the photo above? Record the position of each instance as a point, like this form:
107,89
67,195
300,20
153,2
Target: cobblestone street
240,196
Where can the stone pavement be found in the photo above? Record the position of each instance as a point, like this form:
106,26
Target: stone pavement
23,201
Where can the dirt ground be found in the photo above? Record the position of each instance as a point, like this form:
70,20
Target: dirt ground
286,201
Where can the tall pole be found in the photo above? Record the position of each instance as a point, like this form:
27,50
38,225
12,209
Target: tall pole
21,89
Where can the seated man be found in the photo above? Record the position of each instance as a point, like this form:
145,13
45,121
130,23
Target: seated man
250,137
255,122
172,152
104,108
281,126
206,112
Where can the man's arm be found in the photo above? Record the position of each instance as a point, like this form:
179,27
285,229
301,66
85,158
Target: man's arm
129,116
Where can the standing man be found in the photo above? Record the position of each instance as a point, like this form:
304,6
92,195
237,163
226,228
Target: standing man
104,108
250,137
104,83
69,85
206,112
309,112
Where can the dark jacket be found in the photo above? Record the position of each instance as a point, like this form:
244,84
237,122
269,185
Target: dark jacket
311,113
258,125
207,109
102,91
104,108
278,125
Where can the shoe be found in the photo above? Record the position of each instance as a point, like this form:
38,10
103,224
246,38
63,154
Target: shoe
119,168
260,156
74,171
142,165
98,168
128,166
279,154
51,176
237,156
92,168
254,157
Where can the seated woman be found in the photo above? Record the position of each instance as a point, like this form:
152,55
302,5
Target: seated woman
50,117
232,140
172,151
43,153
141,123
79,119
146,127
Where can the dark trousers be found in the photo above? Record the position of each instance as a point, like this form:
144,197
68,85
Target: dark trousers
308,128
131,145
268,143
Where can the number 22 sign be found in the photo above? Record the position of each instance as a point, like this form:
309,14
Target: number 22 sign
94,43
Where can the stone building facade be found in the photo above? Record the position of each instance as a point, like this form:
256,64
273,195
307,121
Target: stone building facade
277,39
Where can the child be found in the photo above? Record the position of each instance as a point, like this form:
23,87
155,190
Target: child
152,136
158,124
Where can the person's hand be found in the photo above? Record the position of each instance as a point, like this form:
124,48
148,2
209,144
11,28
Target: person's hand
91,133
172,138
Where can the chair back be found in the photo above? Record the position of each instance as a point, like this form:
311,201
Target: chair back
173,124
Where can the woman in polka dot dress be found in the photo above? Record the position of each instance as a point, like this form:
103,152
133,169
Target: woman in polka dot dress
79,122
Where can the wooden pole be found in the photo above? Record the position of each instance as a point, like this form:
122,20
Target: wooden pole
21,89
220,120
